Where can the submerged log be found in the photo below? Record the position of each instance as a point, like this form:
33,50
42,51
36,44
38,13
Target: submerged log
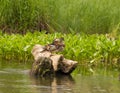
42,67
67,66
56,61
48,63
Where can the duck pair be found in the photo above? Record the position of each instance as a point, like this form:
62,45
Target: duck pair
56,46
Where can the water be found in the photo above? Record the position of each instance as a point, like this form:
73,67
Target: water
15,78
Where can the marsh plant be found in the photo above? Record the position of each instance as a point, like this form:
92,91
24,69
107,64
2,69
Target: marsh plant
89,16
86,49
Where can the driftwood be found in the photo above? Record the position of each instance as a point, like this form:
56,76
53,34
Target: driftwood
48,63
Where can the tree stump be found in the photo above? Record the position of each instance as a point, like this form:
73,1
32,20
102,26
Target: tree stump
47,63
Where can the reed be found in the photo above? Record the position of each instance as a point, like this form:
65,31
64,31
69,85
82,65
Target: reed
89,16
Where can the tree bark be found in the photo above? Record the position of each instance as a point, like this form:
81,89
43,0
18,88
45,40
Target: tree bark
47,63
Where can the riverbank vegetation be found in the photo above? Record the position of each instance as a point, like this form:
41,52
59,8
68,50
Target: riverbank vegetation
86,49
88,16
84,24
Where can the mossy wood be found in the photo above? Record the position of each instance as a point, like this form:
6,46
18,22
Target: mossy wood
48,63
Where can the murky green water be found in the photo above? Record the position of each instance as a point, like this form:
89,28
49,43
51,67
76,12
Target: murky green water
15,78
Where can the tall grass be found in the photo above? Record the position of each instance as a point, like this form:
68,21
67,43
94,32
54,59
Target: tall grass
90,16
86,49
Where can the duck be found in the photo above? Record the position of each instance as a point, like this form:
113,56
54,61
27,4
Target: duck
56,46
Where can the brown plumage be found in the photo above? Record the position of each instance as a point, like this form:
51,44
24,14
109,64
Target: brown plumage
56,46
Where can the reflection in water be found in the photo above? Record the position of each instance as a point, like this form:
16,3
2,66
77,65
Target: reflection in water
15,78
57,84
119,77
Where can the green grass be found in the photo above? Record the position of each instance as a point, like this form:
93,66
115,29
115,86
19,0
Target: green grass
89,16
86,49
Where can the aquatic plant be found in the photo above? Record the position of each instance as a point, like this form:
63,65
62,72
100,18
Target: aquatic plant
87,49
